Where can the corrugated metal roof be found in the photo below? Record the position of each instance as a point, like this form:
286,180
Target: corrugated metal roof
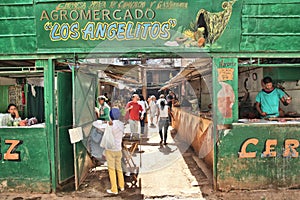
192,71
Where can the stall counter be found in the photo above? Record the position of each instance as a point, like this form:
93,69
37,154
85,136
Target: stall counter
276,121
41,125
258,156
25,162
196,131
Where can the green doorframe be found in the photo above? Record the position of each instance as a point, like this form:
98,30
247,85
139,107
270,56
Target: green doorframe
50,116
74,125
215,125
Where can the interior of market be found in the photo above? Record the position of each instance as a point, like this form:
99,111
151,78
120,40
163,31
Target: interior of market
22,83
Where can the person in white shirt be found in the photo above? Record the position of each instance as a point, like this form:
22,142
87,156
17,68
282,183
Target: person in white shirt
145,107
163,121
161,98
153,109
14,113
114,155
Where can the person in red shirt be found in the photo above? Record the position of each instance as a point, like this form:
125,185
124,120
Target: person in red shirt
134,109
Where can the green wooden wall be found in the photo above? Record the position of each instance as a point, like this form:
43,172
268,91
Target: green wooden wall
31,169
17,27
3,98
270,25
253,26
261,171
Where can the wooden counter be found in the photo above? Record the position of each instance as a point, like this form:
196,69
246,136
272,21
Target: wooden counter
196,131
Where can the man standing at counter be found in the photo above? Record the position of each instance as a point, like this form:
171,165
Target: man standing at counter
267,100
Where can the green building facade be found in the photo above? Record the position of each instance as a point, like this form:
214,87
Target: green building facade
37,33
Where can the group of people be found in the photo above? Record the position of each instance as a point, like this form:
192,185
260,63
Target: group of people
267,105
136,111
161,109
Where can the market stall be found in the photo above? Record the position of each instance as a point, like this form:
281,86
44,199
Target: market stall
255,151
193,121
27,140
38,35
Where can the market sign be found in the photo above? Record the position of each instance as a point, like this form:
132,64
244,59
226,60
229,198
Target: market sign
117,29
290,146
115,24
11,154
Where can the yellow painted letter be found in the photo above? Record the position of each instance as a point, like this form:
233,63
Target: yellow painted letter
244,153
289,148
270,144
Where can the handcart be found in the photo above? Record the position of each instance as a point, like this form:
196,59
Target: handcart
130,169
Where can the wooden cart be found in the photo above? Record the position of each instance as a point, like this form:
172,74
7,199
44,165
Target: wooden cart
130,146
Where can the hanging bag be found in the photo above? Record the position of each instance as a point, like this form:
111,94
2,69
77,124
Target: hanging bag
108,140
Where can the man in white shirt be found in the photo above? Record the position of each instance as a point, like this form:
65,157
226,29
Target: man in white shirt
145,106
161,98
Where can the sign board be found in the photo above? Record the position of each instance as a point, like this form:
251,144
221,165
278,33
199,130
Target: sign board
75,135
130,24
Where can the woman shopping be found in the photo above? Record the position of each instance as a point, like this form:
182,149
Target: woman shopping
163,121
114,154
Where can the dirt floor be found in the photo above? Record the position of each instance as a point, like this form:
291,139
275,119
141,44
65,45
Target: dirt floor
96,183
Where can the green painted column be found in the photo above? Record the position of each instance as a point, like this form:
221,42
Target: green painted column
225,89
225,99
50,115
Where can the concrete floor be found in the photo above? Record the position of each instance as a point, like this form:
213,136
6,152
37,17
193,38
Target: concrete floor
163,170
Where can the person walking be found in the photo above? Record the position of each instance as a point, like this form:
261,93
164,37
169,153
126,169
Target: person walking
161,98
114,155
145,107
163,121
152,110
170,101
134,109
